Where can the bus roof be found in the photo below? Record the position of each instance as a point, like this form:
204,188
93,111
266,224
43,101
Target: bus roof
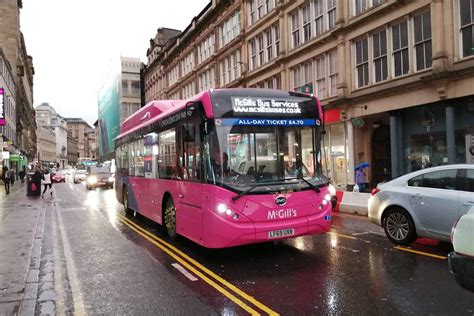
156,110
153,111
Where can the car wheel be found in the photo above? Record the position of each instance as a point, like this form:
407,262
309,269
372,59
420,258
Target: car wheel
170,218
126,204
399,226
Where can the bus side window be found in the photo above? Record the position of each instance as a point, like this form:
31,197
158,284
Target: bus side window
192,153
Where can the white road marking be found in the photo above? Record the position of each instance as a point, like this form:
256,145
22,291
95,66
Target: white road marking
184,271
357,234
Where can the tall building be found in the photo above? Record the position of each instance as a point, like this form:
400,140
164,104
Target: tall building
14,49
91,145
46,146
8,143
396,78
46,116
119,97
72,150
77,129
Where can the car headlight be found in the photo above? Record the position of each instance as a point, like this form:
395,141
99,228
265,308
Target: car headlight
92,180
111,179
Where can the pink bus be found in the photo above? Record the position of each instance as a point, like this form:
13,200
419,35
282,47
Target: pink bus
227,167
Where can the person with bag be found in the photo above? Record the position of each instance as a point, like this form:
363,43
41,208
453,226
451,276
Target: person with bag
47,182
36,181
6,179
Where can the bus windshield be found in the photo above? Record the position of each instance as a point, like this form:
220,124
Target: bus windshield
279,158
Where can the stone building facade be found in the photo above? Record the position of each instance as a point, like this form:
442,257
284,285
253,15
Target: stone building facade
72,150
396,78
13,44
46,146
77,129
46,116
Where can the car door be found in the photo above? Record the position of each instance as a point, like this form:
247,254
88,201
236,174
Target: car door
434,199
466,193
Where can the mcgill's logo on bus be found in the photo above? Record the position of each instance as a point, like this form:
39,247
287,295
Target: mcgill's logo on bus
281,214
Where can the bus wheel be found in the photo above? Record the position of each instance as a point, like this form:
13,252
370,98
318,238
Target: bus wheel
126,206
170,218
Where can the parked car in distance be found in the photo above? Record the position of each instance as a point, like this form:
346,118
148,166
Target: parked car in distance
58,176
99,177
424,203
461,260
80,175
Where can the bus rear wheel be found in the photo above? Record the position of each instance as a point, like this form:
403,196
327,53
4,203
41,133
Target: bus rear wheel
170,218
126,204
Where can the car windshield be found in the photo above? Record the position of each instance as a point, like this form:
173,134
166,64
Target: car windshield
263,158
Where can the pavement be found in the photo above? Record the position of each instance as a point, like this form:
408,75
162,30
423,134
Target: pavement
22,221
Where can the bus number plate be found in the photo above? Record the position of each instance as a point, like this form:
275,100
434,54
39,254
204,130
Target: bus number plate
281,233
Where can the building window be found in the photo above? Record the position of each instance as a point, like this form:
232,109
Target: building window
362,5
187,64
296,78
259,8
207,80
332,65
422,30
230,68
318,17
173,75
261,50
466,8
362,62
253,54
206,49
229,30
276,32
400,49
269,37
295,29
331,12
321,77
307,23
379,42
188,90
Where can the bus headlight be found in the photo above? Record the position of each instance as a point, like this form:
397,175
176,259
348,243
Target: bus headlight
92,180
221,208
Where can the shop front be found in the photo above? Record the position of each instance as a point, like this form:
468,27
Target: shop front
337,149
432,135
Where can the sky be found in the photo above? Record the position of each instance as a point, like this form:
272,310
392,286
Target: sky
72,42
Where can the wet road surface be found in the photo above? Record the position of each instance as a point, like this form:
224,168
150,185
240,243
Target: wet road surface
109,263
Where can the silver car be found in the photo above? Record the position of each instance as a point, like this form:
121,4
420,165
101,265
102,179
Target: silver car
424,203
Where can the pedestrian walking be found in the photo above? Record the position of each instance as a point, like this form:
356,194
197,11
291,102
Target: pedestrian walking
360,179
22,175
6,179
36,179
12,176
47,182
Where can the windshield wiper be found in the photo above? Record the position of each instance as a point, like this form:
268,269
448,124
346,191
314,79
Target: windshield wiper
312,186
236,197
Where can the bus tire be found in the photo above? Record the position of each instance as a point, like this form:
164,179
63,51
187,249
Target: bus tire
170,218
126,205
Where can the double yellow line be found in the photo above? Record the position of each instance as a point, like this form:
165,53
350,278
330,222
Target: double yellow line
201,271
